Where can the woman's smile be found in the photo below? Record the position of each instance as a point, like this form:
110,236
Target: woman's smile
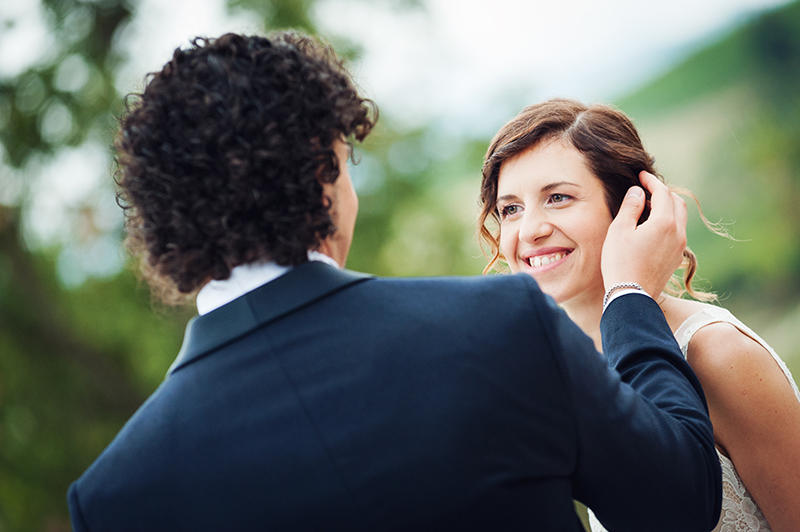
544,260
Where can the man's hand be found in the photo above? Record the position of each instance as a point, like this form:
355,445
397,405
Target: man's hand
650,253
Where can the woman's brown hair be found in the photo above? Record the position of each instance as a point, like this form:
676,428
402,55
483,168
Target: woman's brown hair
613,151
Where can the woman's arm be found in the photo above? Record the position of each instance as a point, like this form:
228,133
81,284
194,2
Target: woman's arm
756,418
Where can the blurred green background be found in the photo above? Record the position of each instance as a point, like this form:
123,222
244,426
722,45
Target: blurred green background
81,344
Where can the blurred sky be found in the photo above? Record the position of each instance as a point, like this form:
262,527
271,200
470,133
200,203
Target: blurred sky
472,62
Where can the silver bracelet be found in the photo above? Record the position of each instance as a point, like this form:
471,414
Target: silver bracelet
614,287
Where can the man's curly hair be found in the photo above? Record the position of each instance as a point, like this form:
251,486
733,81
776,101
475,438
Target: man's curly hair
221,159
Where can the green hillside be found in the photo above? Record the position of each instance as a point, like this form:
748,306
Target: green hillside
764,51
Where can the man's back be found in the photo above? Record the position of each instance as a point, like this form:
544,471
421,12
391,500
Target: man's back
370,404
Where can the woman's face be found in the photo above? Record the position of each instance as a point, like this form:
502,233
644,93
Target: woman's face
553,221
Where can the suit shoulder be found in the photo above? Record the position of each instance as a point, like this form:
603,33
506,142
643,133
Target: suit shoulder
478,283
488,289
492,302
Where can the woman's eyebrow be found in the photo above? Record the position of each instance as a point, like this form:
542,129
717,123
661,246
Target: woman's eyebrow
558,184
506,198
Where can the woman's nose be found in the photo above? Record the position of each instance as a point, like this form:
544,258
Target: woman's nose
534,227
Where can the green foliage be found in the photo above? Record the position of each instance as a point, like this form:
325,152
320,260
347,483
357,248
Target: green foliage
281,14
70,97
418,204
63,394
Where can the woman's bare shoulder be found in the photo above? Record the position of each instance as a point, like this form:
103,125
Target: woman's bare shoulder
745,387
679,310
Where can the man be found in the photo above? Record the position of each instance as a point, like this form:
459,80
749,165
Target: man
307,397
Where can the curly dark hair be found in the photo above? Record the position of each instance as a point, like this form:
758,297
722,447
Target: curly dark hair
221,159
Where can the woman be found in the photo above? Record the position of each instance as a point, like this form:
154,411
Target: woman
553,179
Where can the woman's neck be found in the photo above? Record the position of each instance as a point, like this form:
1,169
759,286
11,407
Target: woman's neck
586,313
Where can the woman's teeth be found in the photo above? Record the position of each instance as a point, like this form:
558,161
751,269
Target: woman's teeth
542,260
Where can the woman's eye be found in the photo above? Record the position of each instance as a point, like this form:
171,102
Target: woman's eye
509,210
558,198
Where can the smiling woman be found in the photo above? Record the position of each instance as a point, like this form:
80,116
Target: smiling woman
553,218
553,179
598,141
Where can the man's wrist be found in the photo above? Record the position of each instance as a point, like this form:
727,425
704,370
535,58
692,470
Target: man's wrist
620,289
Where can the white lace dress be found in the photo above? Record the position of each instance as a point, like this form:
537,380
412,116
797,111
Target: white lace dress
740,513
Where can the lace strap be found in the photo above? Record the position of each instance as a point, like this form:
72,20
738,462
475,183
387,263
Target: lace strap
694,323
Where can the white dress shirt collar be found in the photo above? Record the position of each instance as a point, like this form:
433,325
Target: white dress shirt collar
246,278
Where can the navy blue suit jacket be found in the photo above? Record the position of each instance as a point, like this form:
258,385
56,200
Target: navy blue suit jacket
327,400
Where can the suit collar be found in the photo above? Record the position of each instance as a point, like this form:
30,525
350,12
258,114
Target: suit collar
301,286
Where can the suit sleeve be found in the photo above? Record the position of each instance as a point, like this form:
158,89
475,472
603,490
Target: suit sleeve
646,455
78,524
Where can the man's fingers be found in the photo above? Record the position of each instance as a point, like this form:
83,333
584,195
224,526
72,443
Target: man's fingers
661,203
651,182
632,206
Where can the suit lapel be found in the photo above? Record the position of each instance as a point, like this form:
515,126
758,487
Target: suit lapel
301,286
